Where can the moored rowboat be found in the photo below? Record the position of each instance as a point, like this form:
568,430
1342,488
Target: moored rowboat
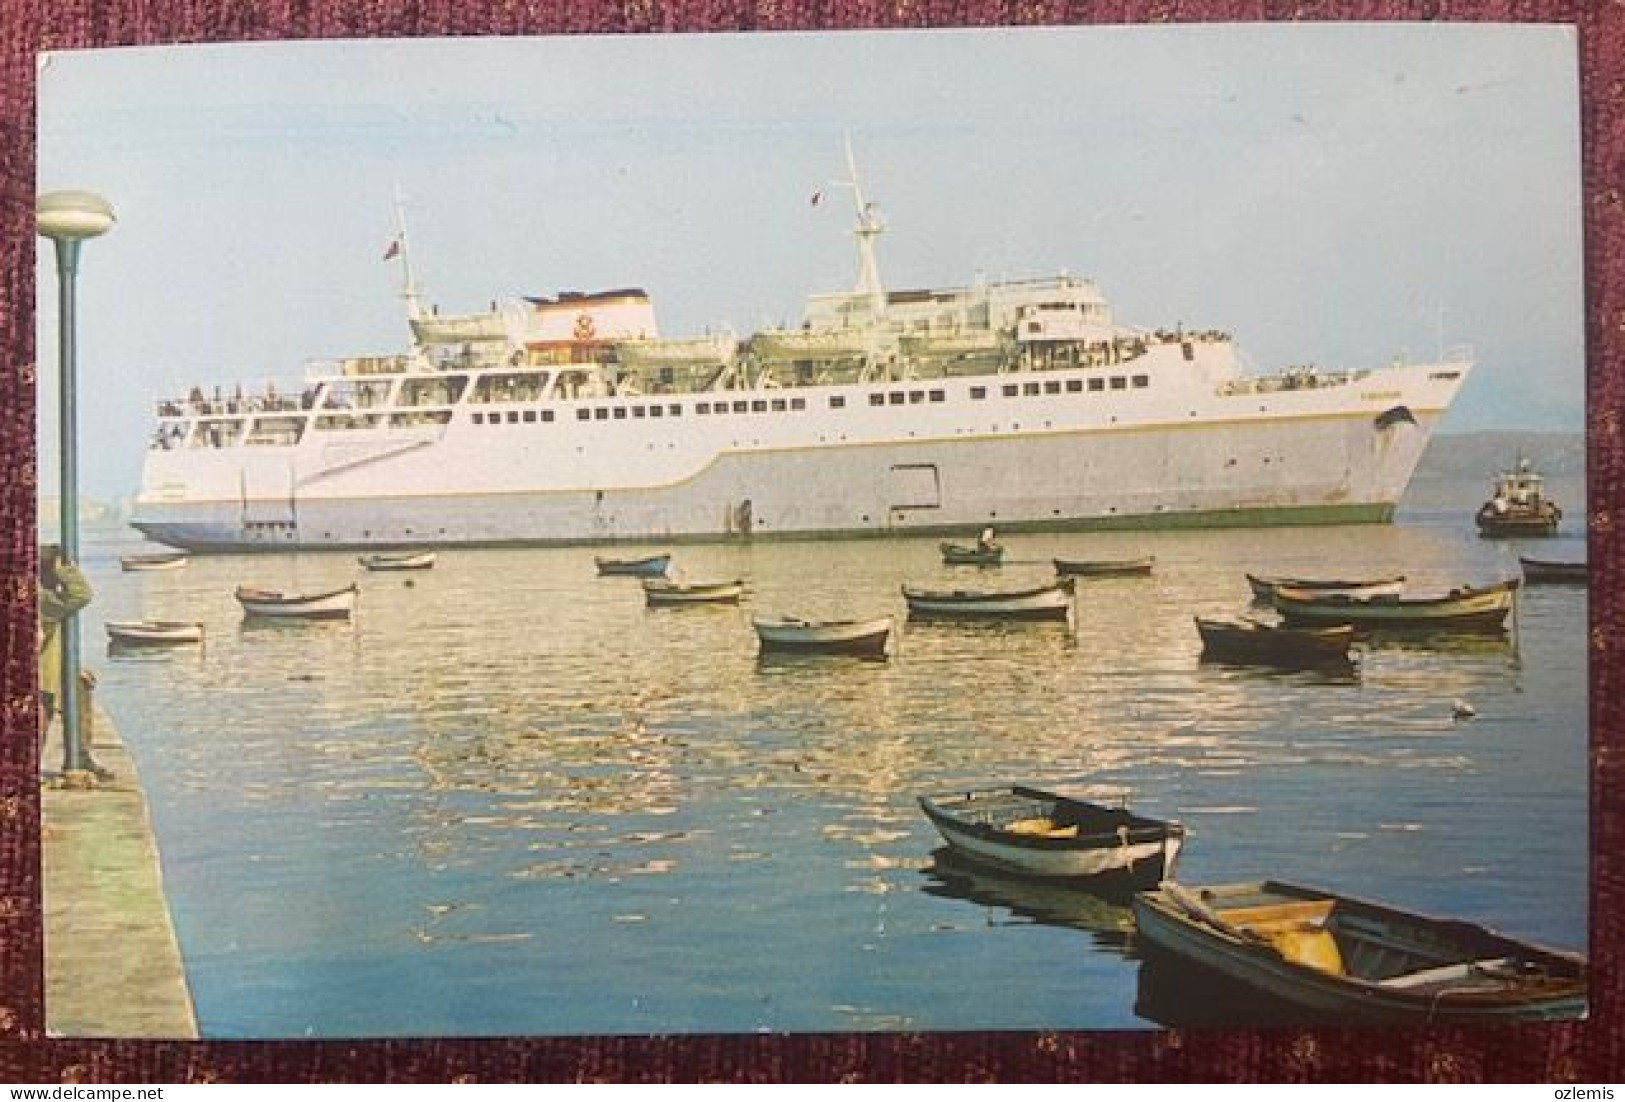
1251,642
1104,568
163,560
404,560
1264,587
1328,957
1467,607
1038,833
657,591
1542,571
652,566
1047,602
860,637
982,554
336,604
153,633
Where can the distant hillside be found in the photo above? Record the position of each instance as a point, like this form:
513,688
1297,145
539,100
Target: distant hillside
1457,469
1478,455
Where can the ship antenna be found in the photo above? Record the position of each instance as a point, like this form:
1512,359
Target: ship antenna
869,227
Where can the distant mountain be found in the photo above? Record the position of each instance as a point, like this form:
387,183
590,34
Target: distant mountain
1477,456
1458,469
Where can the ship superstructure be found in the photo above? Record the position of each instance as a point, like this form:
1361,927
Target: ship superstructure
569,419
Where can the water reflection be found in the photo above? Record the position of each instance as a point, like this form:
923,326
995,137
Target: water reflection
1031,900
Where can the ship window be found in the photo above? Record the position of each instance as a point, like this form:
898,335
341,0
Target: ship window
583,414
798,403
479,418
495,420
547,415
916,396
639,411
939,396
1142,380
601,413
513,417
759,406
877,399
675,410
620,413
1052,387
530,417
703,407
1074,386
1029,388
1010,390
780,405
978,392
897,397
741,407
1097,384
654,411
1119,383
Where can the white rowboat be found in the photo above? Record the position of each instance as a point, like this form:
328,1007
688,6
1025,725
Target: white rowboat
337,604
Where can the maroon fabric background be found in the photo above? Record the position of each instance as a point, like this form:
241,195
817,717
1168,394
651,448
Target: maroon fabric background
1573,1053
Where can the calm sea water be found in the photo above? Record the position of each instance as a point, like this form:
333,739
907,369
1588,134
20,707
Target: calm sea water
509,799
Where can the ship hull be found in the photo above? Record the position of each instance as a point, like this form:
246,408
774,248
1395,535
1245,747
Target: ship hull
818,462
1060,482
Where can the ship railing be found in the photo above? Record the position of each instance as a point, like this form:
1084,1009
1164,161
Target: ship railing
1293,378
234,406
1458,354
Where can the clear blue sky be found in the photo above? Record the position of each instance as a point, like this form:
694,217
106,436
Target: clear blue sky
1323,192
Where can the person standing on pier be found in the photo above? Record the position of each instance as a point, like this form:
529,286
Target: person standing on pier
63,591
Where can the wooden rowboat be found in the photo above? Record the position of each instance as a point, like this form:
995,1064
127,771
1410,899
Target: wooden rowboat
1481,608
163,560
981,554
1253,643
403,560
1328,957
657,591
153,633
1104,568
1546,572
336,604
859,637
1046,602
1264,587
1037,833
653,566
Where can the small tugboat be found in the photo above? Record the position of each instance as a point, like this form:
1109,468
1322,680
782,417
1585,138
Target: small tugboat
1519,506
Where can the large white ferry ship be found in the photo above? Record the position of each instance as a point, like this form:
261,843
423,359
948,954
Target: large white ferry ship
568,419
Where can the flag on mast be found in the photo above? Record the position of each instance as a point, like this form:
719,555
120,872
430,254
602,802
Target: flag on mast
394,249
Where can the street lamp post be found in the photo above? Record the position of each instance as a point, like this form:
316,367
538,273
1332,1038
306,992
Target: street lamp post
67,218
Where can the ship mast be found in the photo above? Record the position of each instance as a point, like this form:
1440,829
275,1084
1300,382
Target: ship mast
869,227
409,287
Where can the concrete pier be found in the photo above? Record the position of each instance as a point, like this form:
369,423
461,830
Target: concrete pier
112,963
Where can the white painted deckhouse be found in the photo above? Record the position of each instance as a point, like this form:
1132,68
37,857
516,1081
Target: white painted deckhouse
567,419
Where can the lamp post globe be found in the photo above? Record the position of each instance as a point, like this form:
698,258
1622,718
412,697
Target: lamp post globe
72,215
69,218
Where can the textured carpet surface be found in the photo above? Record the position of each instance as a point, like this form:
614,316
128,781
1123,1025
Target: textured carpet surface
1565,1054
